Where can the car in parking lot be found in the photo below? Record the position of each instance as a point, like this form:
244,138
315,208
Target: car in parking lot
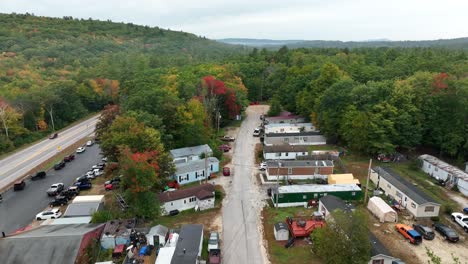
54,135
461,219
226,171
39,175
213,241
59,166
111,186
69,158
80,150
228,138
59,201
256,132
426,232
98,172
83,185
74,190
446,232
49,214
263,166
89,143
19,185
55,189
409,233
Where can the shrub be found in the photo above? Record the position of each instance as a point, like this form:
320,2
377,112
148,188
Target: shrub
448,209
101,217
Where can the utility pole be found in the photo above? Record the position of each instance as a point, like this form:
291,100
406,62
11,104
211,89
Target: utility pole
277,183
367,182
218,119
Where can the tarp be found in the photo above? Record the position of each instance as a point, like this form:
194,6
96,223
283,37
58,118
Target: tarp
382,210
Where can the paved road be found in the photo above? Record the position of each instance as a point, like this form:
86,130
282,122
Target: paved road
241,208
19,208
18,164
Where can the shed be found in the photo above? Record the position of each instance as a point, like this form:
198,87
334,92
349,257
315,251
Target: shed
117,232
281,231
382,210
346,178
330,203
157,235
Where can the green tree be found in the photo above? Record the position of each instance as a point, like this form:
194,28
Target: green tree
275,108
344,239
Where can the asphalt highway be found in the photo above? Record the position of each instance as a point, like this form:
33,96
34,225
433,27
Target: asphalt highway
19,208
18,164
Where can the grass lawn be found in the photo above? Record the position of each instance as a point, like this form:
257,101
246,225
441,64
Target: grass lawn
278,254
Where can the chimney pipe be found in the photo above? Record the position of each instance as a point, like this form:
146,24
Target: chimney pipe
184,250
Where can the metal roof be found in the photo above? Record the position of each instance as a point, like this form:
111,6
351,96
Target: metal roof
194,165
300,163
191,151
403,185
300,134
82,209
281,225
377,247
88,198
68,221
188,245
445,166
52,244
307,188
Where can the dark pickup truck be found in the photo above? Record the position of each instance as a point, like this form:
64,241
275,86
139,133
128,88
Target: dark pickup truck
39,175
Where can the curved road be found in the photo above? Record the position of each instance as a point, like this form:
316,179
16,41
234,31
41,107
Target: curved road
18,164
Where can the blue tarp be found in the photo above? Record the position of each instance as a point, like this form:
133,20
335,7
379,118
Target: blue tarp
143,251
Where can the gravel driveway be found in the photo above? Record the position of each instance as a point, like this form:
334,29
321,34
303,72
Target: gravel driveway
242,238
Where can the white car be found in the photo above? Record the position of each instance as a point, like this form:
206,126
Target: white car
90,174
213,241
80,150
256,132
104,159
49,214
98,172
89,143
263,166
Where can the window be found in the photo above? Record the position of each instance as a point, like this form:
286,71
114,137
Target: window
436,169
429,209
280,196
289,170
286,154
304,197
286,140
277,154
406,198
389,186
353,193
211,167
398,194
315,195
305,139
185,201
413,205
171,204
429,166
180,178
193,199
378,261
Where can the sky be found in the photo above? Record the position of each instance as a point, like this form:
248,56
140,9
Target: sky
346,20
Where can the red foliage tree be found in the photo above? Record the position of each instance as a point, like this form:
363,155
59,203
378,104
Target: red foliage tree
212,86
230,102
440,81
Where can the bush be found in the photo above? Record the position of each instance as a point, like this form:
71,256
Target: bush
102,217
447,209
435,219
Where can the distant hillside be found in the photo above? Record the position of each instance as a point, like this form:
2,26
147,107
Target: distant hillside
66,40
459,43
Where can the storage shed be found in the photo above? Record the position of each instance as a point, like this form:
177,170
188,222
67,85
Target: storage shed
281,231
117,232
302,195
157,235
382,210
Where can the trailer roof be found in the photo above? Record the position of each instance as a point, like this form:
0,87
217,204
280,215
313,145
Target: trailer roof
308,188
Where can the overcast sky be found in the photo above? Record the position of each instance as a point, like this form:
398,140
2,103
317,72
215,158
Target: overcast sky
272,19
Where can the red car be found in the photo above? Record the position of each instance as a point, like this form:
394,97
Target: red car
226,171
224,148
69,158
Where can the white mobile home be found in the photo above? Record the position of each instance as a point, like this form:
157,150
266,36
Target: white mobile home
289,128
419,204
200,197
187,154
439,169
284,152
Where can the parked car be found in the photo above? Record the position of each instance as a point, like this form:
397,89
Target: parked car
67,194
213,241
89,143
228,139
465,210
111,186
98,172
49,214
426,232
90,174
83,178
461,219
74,190
101,166
174,212
114,180
224,148
446,232
104,159
54,135
19,185
39,175
226,171
256,132
214,256
69,158
59,201
263,166
80,150
83,185
60,165
409,233
55,189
